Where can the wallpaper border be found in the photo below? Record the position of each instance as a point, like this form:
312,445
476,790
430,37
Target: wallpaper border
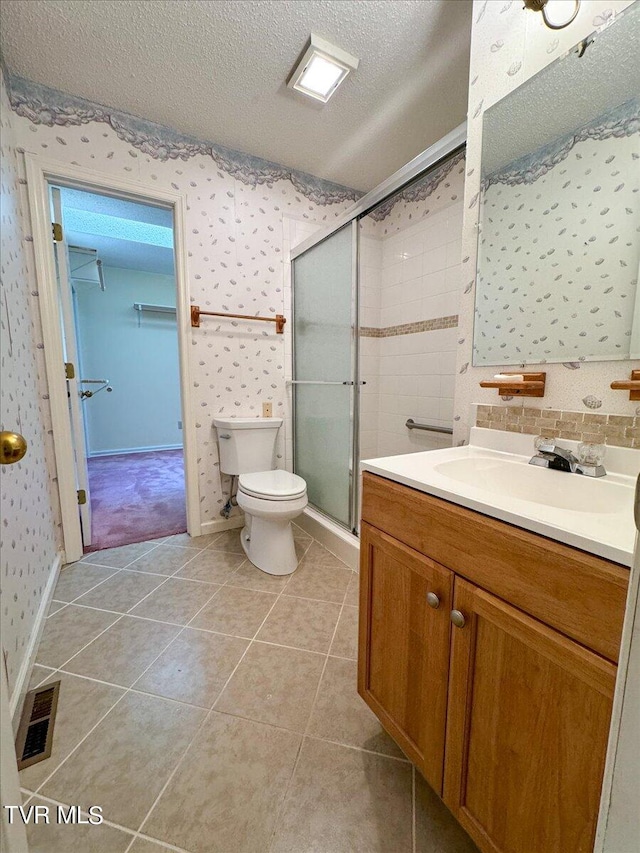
47,106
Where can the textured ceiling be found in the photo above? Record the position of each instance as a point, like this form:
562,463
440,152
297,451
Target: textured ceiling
217,70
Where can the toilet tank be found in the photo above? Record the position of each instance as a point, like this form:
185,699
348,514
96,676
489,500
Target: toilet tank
247,444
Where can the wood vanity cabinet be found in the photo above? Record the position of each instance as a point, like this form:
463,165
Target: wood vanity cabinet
506,716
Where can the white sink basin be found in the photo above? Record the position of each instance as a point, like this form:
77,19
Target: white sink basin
527,483
594,514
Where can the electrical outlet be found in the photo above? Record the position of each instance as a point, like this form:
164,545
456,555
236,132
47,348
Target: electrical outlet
179,424
267,410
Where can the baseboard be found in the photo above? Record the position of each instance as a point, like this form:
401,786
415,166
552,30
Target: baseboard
123,450
340,542
222,524
24,674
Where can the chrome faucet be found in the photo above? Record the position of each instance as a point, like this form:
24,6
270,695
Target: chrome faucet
551,455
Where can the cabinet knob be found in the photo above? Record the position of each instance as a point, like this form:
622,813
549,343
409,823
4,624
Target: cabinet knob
458,619
433,600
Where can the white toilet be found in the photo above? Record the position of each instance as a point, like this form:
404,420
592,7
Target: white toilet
269,497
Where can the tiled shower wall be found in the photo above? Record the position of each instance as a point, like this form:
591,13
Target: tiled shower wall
410,279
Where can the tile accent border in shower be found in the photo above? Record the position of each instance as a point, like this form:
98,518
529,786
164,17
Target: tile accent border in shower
614,430
410,328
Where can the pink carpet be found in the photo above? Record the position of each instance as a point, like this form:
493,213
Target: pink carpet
135,497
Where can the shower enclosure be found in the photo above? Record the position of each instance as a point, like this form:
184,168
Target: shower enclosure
374,314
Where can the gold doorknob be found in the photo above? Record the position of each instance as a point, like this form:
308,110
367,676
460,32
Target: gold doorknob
13,446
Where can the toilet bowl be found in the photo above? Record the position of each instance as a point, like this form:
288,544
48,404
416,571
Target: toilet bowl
270,498
270,501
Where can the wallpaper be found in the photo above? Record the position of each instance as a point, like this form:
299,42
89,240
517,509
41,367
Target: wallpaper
28,531
509,45
235,209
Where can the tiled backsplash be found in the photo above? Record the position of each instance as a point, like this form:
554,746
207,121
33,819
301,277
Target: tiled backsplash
618,430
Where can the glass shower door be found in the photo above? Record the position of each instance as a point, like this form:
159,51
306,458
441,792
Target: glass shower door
325,373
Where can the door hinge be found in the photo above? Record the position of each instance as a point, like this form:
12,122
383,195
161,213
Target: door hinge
82,497
69,370
57,232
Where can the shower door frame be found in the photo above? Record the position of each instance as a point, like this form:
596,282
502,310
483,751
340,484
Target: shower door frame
431,157
354,395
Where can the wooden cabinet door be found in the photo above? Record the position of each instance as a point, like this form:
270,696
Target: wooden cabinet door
403,658
528,720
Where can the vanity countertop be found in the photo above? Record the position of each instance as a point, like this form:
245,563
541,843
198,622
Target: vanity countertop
491,475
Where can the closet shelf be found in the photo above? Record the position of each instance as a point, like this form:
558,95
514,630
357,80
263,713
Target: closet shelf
158,309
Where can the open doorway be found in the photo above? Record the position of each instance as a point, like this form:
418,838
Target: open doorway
117,294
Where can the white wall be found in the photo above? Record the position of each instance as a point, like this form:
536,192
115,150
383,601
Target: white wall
509,45
29,535
138,353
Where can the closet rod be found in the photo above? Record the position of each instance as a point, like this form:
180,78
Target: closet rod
159,309
196,313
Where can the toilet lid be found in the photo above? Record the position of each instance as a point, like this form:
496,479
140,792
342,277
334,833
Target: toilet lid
273,485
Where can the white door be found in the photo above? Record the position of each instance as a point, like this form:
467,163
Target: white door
70,345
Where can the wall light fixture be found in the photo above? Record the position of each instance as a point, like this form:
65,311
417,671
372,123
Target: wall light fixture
556,14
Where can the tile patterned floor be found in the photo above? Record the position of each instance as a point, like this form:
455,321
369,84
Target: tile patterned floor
210,708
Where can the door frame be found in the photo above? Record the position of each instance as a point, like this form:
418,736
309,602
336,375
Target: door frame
41,172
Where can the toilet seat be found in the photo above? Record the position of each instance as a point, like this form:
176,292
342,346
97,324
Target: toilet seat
274,485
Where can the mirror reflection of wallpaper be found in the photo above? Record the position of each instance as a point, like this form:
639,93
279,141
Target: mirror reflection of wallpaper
559,249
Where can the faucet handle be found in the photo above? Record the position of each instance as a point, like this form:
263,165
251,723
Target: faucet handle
543,444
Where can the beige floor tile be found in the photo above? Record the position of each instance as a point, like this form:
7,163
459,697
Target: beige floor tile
212,566
249,576
227,791
121,592
345,642
301,623
79,578
123,764
353,591
55,606
194,668
66,632
300,546
300,535
143,845
123,652
177,600
81,703
235,611
186,541
273,685
341,715
73,838
38,675
317,553
118,558
436,829
163,560
324,583
346,801
228,540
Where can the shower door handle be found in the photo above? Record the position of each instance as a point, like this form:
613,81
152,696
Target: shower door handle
320,382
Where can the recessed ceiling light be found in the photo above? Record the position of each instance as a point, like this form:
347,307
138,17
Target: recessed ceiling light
321,69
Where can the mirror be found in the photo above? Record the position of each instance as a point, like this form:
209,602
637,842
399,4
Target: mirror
559,242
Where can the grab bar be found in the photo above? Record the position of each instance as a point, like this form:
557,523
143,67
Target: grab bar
411,424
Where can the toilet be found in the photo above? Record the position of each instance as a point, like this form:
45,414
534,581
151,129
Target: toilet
270,498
